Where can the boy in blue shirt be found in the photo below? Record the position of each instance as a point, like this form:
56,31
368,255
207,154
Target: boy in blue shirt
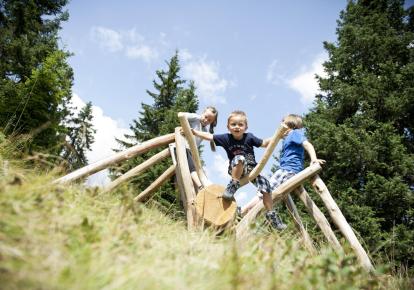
240,152
292,155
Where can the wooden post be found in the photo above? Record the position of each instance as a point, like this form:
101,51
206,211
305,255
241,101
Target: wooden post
138,169
179,178
191,142
340,221
182,163
307,241
156,184
116,158
319,218
266,155
277,195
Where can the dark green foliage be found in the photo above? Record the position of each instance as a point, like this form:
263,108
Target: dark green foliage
35,79
158,119
362,124
80,138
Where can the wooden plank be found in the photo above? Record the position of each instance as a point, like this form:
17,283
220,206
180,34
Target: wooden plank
116,158
340,221
319,218
137,170
156,184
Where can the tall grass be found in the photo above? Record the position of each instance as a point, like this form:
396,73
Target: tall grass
72,237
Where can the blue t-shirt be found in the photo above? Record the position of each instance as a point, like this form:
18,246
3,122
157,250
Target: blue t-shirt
293,154
235,147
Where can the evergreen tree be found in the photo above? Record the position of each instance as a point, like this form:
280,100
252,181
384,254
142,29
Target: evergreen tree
362,124
35,79
79,139
157,119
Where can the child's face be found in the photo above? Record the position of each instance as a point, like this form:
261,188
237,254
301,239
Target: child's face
237,126
207,117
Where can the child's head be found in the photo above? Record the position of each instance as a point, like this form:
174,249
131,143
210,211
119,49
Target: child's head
293,121
237,123
209,117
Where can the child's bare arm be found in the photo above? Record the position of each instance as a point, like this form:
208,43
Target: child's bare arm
266,142
312,154
203,135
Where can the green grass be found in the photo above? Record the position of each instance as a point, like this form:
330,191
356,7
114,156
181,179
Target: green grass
71,237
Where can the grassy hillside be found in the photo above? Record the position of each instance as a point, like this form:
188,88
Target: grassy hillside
71,237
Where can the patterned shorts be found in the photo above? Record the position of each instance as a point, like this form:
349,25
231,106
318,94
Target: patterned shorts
277,179
260,181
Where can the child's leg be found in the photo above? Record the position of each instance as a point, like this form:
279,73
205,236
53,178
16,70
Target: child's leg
237,169
267,201
193,172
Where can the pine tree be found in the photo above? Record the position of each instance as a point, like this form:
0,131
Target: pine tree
157,119
35,79
362,124
79,138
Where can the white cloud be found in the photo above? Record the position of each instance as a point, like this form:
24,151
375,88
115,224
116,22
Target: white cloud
210,86
220,166
305,82
107,38
107,129
132,44
272,75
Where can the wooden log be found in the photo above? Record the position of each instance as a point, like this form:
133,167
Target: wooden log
182,162
191,142
319,218
277,195
156,184
266,155
214,209
307,241
340,221
138,169
116,158
179,179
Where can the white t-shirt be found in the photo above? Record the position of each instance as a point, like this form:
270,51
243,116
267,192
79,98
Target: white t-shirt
194,121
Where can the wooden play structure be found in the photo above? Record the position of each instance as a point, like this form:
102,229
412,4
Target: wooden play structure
207,207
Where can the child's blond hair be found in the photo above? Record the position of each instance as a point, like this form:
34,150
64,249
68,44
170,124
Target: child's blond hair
237,113
293,121
212,125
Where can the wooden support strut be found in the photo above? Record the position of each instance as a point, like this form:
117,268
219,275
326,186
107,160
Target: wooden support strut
156,184
193,220
193,147
340,221
307,241
116,158
137,170
319,218
266,155
277,195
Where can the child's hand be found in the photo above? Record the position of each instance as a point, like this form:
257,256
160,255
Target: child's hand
319,161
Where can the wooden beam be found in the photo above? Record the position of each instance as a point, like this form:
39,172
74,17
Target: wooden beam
116,158
277,195
340,221
182,162
178,176
266,155
307,241
319,218
138,169
156,184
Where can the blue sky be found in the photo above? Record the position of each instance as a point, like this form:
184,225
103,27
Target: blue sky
255,56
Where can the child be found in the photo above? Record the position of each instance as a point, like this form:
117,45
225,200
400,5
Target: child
200,123
239,148
292,155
